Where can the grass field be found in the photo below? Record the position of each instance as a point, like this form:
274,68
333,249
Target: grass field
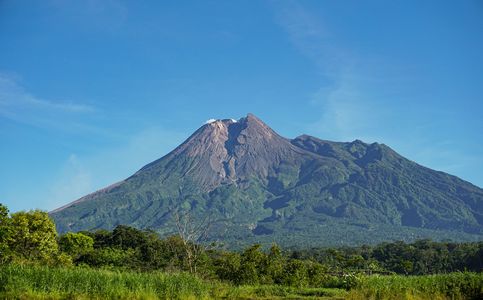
445,286
40,282
79,283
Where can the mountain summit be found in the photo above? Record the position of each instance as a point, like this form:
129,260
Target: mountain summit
227,151
260,186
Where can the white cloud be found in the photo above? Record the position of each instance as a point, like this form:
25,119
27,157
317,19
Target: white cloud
354,108
309,35
19,105
74,181
348,98
339,96
364,98
13,96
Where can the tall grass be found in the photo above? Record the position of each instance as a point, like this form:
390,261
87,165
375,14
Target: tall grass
42,282
78,283
281,292
454,286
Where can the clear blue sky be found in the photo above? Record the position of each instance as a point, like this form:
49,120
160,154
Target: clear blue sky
90,91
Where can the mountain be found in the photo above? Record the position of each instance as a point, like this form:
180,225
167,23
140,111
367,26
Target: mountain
258,186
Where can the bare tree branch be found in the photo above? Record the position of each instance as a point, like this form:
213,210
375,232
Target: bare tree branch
194,234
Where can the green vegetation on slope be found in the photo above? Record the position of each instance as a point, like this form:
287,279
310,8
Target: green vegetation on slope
262,188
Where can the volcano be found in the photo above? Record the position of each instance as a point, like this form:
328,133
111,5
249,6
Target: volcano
257,186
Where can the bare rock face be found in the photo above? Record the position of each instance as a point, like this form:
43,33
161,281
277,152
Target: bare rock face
265,187
225,151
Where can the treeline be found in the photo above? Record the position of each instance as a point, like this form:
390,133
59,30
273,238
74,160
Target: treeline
422,257
30,237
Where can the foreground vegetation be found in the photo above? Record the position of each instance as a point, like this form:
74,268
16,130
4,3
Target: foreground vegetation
58,282
128,263
79,283
442,286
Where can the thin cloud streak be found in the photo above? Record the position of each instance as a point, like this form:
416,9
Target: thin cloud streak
309,36
14,97
74,182
339,96
361,98
20,106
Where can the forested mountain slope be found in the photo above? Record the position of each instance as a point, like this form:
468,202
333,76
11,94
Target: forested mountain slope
258,186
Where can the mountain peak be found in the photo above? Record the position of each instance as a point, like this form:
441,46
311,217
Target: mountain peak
252,118
249,129
262,184
256,129
228,150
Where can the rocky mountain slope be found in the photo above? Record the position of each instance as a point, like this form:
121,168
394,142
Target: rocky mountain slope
257,186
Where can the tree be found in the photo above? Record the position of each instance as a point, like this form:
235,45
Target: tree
296,273
274,265
5,234
33,236
227,266
126,237
102,238
76,244
193,234
155,253
109,257
252,261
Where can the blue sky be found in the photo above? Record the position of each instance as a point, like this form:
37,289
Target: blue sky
90,91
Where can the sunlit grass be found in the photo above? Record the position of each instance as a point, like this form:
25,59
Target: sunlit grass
432,287
42,282
79,283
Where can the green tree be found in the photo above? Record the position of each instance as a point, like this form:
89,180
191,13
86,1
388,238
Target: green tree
76,244
296,273
153,252
227,266
110,257
126,237
252,261
5,234
34,237
275,264
317,273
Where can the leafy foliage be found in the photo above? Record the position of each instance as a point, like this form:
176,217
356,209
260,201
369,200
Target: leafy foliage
76,244
5,234
129,265
33,236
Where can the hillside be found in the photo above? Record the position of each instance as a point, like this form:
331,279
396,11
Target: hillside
258,186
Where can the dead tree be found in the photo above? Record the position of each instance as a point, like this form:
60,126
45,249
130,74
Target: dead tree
194,234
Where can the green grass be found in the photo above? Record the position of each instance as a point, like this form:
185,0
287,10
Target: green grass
281,292
42,282
79,283
452,286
